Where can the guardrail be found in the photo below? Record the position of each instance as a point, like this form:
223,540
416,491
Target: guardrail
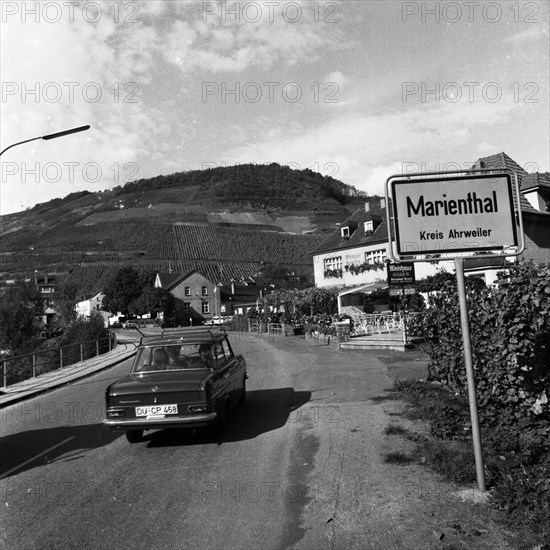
21,367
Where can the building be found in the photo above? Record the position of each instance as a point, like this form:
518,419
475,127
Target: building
239,297
90,304
196,297
199,299
353,258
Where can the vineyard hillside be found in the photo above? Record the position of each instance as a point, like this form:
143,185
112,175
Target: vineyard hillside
227,222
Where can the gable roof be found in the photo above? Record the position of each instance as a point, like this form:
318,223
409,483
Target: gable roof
168,281
500,161
358,237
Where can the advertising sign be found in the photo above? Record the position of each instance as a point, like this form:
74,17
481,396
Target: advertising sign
400,274
447,214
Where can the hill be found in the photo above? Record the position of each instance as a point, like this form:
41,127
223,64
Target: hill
226,222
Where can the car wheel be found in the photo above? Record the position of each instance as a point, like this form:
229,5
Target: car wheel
134,436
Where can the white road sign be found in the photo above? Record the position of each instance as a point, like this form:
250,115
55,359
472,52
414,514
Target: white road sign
448,214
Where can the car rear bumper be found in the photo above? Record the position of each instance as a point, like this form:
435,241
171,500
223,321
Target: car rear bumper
190,421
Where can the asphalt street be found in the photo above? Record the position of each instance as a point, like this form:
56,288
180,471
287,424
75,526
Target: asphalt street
300,467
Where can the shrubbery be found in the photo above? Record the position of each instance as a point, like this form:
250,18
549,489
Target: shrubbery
510,333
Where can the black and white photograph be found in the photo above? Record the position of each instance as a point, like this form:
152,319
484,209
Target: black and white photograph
275,275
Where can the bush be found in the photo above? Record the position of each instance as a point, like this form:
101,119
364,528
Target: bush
510,334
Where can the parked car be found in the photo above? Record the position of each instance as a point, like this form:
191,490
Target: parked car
218,320
130,324
189,378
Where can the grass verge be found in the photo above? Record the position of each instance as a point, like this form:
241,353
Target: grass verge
517,475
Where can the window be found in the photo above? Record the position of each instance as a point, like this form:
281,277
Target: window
344,232
369,227
205,291
205,307
187,308
375,256
333,263
187,291
227,350
219,353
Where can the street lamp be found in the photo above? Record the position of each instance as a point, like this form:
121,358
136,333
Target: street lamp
50,136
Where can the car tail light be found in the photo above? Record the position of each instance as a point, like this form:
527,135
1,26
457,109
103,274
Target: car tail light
116,413
199,408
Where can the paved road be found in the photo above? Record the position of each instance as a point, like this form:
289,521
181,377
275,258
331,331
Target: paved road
299,468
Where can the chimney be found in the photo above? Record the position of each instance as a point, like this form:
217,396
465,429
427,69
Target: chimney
233,287
382,204
367,207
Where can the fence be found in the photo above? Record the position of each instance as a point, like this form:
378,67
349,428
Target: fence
386,323
30,365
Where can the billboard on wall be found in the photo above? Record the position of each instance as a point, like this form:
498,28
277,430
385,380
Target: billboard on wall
454,214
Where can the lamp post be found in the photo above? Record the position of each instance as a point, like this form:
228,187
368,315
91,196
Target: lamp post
50,136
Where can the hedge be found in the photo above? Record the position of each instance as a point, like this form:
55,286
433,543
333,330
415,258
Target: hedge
510,333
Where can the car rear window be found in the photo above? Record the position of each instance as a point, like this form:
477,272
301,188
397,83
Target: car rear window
175,357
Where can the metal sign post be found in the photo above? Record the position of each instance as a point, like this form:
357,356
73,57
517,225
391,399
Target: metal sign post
465,323
453,215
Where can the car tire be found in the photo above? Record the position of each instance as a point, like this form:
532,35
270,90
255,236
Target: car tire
134,436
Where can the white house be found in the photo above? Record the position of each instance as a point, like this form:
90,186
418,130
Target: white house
353,258
86,307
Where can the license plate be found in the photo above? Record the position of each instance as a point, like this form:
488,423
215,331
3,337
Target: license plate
156,410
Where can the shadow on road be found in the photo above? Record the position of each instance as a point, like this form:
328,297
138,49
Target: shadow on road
29,449
264,411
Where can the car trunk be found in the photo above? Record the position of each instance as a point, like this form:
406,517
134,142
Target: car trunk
158,388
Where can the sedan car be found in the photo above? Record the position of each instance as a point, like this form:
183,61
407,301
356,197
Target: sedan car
190,379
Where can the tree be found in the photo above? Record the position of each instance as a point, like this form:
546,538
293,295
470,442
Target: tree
152,300
65,304
125,287
19,317
318,301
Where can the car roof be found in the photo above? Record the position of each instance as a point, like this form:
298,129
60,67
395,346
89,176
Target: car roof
191,335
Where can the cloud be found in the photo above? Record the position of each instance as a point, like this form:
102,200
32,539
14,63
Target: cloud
366,149
231,37
536,32
337,78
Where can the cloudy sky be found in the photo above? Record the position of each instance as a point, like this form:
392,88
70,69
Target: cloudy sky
359,90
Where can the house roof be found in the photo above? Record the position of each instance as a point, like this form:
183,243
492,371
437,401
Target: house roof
170,280
535,180
499,162
244,293
357,236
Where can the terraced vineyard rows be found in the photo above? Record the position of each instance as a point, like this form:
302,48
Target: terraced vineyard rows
234,245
